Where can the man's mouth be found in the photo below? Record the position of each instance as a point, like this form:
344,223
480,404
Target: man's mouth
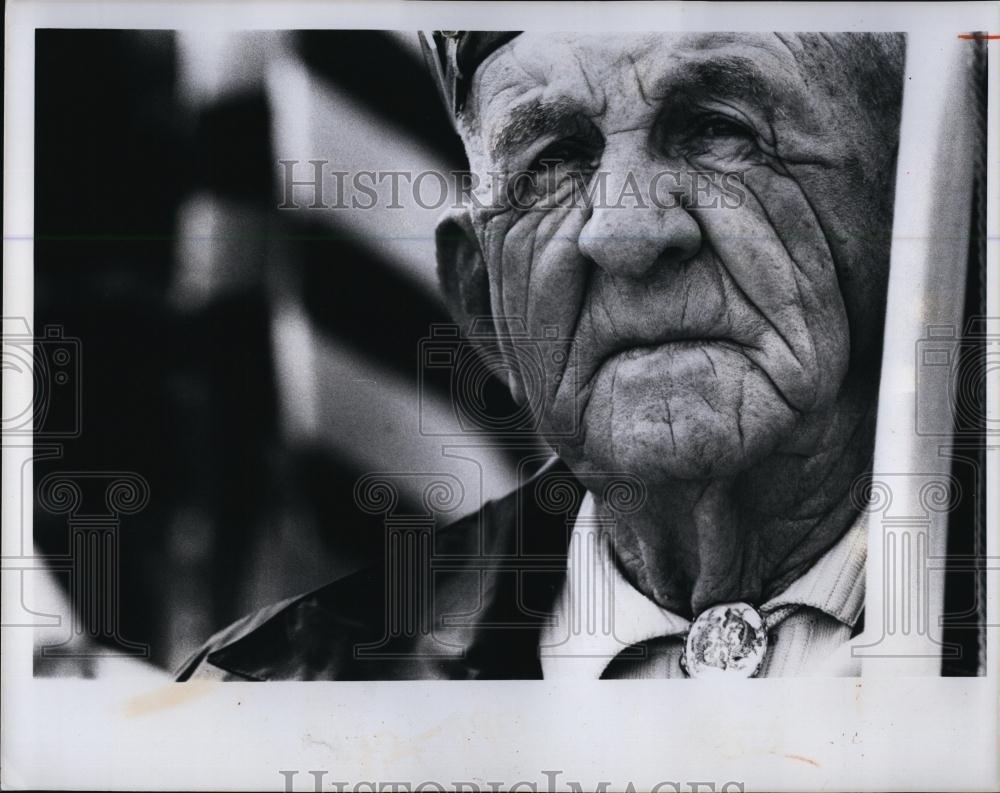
638,351
675,341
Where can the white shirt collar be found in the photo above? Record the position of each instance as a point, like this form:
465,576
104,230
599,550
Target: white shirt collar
599,613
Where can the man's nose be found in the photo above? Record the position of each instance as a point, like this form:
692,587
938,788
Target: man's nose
630,237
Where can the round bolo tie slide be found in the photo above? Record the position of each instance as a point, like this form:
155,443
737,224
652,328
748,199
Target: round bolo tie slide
729,639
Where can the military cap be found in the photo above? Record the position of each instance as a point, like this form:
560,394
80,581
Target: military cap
454,55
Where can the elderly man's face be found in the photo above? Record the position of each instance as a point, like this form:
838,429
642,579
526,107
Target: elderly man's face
698,340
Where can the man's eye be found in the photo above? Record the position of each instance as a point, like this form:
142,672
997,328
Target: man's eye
716,139
557,170
562,154
723,128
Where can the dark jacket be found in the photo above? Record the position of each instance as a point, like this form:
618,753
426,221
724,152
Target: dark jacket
463,602
467,601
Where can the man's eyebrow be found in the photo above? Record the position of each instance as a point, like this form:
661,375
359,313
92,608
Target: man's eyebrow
725,75
530,120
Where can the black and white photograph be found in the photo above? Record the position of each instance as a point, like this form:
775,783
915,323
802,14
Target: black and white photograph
460,373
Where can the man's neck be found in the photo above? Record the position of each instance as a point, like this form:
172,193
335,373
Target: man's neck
698,543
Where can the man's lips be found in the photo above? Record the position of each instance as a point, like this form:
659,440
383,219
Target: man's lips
637,348
638,351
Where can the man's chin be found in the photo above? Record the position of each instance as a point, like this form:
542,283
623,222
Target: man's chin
676,411
688,442
683,411
657,458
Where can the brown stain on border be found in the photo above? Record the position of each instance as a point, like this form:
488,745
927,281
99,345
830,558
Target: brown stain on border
168,696
803,759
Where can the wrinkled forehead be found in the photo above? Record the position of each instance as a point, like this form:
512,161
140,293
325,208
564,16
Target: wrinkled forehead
594,71
549,53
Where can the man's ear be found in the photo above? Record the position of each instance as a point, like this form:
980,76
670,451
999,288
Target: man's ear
465,283
462,269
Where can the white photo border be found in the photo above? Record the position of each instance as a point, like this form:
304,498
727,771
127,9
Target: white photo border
879,732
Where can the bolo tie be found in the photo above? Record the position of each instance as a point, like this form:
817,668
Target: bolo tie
729,639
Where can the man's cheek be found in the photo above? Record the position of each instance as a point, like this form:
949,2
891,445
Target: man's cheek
773,249
538,281
805,230
532,261
858,222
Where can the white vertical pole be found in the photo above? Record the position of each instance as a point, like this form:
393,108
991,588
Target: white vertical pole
912,482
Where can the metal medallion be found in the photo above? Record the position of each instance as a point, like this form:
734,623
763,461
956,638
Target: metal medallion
728,639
